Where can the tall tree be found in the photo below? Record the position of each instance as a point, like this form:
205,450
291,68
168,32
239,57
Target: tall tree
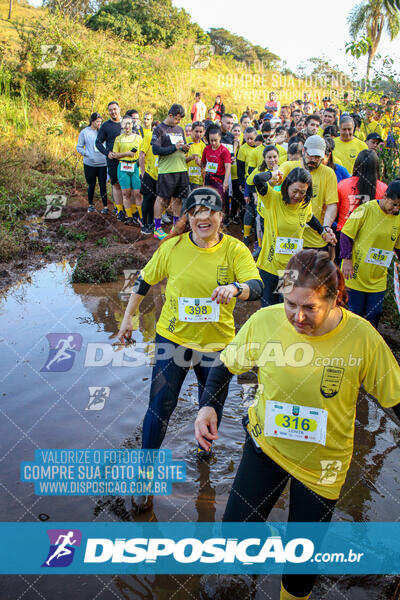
372,17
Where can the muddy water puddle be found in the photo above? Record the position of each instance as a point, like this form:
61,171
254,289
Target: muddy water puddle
43,408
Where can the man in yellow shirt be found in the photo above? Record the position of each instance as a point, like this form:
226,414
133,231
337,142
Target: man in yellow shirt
147,124
324,182
348,147
148,164
369,125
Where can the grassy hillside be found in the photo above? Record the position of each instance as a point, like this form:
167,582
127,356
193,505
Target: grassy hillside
42,109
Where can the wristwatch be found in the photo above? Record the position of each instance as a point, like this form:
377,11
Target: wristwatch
239,288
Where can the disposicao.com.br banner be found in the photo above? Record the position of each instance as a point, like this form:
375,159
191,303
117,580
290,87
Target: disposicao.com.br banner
237,548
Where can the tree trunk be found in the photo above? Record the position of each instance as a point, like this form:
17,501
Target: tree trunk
369,62
9,10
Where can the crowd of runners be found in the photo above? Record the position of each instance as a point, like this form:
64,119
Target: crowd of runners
300,185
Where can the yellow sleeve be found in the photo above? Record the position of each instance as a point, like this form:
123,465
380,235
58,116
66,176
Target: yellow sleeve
157,268
242,354
331,196
241,155
250,179
244,266
381,376
116,147
285,169
354,222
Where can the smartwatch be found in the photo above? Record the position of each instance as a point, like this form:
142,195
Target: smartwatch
239,288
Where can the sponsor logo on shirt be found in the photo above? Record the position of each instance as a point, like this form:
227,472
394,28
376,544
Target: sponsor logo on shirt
331,380
222,275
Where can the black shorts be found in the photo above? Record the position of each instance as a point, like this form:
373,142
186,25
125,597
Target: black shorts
112,168
173,185
149,186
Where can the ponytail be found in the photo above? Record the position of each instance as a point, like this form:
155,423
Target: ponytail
180,227
315,270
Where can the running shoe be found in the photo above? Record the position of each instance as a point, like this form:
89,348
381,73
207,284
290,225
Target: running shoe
91,208
146,229
165,219
115,211
121,216
246,241
160,233
129,221
105,211
136,220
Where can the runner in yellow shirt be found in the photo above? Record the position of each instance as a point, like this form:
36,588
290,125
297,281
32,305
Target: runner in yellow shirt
237,202
325,196
147,124
367,243
243,160
347,147
206,270
193,159
312,357
148,164
369,125
126,150
285,214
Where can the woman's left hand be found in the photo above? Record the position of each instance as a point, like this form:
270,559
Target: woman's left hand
329,236
223,294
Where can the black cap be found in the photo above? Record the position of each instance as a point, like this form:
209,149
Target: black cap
374,136
204,196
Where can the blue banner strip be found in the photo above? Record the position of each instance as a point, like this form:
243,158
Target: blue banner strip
199,548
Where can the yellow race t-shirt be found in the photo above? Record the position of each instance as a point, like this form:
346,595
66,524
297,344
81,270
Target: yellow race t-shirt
194,170
372,127
284,226
245,154
308,381
193,273
325,192
348,151
150,160
256,158
375,234
125,143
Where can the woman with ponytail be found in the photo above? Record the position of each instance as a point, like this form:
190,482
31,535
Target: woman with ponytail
368,241
312,357
206,271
